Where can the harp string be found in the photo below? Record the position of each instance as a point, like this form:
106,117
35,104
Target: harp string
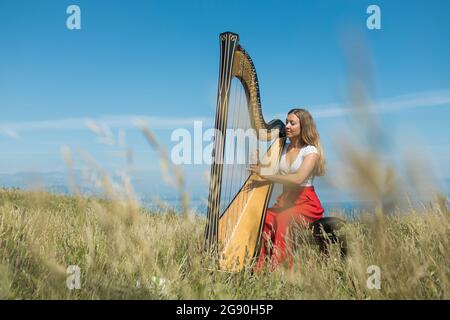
213,187
241,112
235,168
236,173
229,166
220,144
222,131
216,168
242,124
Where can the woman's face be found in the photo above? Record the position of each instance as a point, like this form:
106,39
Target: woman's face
292,126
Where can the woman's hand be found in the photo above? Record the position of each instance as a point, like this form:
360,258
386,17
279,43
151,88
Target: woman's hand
255,168
257,180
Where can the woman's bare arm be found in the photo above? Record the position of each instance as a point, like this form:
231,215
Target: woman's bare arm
292,179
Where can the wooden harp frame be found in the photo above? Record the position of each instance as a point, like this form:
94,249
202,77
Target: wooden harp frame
239,247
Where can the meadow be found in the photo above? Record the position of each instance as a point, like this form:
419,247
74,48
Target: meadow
126,252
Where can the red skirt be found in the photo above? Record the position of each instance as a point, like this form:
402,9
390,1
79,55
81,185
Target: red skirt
300,205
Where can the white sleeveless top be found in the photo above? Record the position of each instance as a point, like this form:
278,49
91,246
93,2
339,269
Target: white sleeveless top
285,169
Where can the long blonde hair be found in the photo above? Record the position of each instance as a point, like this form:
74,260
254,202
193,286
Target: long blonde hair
310,136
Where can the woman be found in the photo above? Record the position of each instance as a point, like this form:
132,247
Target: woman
301,159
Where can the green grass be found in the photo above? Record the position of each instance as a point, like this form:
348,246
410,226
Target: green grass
125,252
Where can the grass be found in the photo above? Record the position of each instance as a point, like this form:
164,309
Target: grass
125,252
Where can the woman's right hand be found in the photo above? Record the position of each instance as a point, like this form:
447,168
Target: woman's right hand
255,168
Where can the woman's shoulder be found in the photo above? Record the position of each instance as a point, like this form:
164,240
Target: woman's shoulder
308,149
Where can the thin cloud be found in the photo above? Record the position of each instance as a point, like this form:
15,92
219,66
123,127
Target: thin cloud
9,133
13,130
428,99
417,100
100,124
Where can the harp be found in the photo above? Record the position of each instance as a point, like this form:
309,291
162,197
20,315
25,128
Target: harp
237,199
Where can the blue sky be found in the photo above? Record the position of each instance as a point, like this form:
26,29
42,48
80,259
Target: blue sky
159,60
